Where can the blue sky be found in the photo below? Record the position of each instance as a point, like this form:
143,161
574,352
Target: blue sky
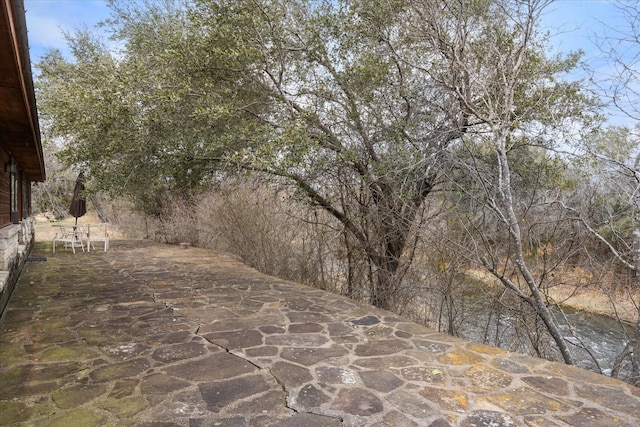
47,19
574,21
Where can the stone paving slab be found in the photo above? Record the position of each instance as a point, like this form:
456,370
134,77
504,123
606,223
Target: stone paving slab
155,335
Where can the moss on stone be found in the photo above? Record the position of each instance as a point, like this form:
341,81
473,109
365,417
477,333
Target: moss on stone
14,412
121,370
10,354
80,417
64,354
77,395
126,407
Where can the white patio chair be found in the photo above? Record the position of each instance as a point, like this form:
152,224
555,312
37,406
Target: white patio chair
97,233
70,236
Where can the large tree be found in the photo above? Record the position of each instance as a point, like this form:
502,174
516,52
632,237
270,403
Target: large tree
518,106
610,165
355,103
613,157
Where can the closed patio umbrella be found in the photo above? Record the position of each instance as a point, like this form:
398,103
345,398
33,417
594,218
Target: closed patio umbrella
78,202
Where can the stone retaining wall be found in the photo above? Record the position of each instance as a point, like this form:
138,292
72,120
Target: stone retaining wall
16,241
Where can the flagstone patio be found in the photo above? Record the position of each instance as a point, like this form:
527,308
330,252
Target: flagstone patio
156,335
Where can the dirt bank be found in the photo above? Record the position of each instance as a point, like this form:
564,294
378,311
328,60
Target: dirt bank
591,298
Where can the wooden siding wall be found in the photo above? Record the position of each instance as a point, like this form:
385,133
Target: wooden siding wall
5,202
25,196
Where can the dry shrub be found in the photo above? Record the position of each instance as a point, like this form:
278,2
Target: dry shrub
131,223
175,223
264,226
178,222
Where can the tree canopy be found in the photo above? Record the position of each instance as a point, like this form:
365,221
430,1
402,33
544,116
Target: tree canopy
365,107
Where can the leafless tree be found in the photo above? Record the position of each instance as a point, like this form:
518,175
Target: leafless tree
512,103
614,164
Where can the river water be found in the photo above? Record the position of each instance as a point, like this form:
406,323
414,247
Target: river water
604,337
601,336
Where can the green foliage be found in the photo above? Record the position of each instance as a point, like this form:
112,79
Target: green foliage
607,196
136,119
358,104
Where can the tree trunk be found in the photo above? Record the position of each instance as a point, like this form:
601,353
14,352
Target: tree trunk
509,215
635,343
394,235
350,290
385,283
635,355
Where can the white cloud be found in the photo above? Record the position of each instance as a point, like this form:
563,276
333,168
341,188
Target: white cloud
45,31
48,19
